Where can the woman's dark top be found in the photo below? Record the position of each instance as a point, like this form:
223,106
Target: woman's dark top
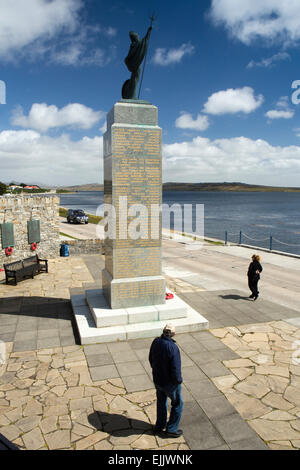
253,267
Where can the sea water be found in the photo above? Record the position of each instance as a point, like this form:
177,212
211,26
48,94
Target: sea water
257,214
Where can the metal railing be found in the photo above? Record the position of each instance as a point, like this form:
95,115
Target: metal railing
270,239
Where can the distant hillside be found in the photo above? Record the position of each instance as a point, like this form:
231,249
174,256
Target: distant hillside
194,187
224,187
83,187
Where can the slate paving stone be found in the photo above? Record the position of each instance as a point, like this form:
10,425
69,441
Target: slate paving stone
7,329
25,335
192,374
225,354
216,407
29,345
47,333
255,443
143,354
118,347
67,341
199,432
233,428
202,357
136,383
45,343
124,356
192,347
92,349
228,321
99,359
214,369
213,344
185,360
186,395
28,326
140,343
202,389
104,372
8,320
7,337
130,368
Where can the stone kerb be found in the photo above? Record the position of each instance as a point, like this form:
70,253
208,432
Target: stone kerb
19,209
87,247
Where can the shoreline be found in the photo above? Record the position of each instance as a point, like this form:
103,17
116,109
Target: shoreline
217,241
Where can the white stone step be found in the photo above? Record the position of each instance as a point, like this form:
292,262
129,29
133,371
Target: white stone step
104,316
90,334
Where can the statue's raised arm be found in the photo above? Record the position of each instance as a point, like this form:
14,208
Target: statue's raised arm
133,61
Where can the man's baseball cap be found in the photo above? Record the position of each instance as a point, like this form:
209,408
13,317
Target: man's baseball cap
169,330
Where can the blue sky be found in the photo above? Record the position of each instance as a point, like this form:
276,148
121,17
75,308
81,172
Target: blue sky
220,72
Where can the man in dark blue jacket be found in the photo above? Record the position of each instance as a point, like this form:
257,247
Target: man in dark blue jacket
164,357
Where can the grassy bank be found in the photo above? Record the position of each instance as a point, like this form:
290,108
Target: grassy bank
93,219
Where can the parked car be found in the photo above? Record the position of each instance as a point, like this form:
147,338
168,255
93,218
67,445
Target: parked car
77,216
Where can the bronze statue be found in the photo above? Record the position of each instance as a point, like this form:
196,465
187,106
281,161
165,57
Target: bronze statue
133,61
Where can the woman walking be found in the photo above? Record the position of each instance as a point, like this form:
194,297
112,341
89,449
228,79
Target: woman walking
254,270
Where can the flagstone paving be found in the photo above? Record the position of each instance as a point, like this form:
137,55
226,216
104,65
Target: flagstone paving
49,401
264,386
241,382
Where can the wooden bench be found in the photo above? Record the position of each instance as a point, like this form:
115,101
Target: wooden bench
27,268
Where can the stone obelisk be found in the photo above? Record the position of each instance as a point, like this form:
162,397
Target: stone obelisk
133,175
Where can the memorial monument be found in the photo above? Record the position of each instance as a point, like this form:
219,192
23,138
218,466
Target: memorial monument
131,303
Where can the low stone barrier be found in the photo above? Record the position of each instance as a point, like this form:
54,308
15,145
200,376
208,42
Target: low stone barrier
85,247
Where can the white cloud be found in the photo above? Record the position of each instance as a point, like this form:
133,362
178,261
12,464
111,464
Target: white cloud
234,159
279,114
297,131
43,117
186,121
283,102
284,111
22,23
30,156
248,20
270,61
172,56
233,101
53,30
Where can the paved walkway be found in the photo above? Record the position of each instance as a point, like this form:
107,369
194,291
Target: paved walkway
241,388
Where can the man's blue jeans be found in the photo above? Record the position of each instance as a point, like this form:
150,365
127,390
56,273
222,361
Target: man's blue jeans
163,393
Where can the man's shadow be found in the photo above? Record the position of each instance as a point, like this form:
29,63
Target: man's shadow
235,297
119,425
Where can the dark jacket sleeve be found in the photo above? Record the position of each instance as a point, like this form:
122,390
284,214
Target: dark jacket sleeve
175,364
150,355
259,267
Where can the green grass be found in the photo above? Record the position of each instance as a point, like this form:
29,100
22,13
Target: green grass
66,235
93,219
212,242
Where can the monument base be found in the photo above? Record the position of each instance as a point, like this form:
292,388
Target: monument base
98,323
133,291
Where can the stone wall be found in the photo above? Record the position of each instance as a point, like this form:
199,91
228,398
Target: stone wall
19,209
85,247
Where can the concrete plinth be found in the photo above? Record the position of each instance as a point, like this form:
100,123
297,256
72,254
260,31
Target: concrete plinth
98,323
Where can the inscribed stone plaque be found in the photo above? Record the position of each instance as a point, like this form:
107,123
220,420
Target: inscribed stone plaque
7,235
33,230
